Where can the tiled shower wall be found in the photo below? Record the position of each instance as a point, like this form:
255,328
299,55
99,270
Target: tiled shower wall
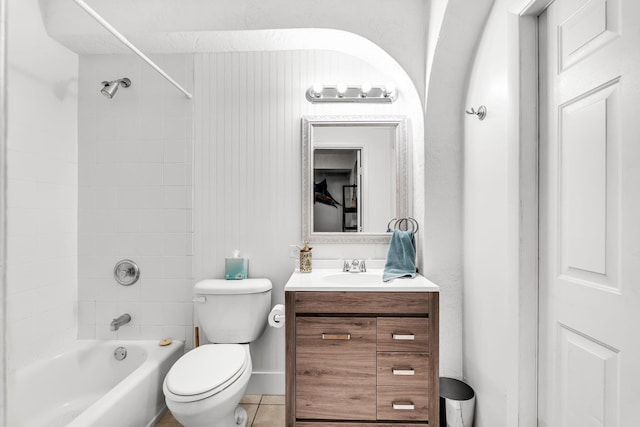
135,198
41,190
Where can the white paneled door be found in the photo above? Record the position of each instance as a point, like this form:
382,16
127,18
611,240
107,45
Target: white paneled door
589,353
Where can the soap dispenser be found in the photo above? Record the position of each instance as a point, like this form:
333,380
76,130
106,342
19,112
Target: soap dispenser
305,258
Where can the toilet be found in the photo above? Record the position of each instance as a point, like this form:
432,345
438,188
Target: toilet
204,387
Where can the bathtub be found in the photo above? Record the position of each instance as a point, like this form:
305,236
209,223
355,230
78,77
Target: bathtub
87,387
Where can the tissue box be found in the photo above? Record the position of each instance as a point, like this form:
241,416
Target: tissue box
236,268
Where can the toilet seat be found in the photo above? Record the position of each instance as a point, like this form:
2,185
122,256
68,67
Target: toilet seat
205,371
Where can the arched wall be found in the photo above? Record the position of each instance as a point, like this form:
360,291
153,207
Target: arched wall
458,26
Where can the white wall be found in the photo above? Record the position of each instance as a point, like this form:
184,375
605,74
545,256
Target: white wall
500,220
42,189
455,43
247,188
135,200
486,359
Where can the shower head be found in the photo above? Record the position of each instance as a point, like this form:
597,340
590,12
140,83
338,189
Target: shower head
110,88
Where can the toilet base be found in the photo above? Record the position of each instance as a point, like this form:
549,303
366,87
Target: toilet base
220,410
241,417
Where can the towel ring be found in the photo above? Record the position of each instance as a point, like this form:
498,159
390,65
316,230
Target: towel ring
403,224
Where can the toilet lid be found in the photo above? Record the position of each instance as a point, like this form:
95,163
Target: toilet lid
206,369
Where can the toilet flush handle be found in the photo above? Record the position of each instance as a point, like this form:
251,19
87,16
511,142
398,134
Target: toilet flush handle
200,299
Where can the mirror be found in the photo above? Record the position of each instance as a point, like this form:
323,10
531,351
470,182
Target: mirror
354,177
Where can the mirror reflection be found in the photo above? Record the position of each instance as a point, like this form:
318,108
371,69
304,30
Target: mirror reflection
336,172
354,177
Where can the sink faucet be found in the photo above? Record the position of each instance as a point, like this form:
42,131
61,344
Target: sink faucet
354,266
119,321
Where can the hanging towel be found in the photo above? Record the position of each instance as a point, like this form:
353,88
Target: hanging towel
401,256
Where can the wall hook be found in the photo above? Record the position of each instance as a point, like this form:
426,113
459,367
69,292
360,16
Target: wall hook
481,113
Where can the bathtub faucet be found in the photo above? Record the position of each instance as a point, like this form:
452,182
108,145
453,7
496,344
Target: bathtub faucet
116,323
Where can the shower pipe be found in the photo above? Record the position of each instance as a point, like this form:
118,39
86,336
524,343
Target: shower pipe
128,44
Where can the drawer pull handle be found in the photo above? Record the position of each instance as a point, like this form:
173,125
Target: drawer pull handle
403,406
336,336
403,337
409,371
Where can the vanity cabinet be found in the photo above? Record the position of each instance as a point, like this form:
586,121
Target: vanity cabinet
361,359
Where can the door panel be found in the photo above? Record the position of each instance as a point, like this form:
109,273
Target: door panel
589,209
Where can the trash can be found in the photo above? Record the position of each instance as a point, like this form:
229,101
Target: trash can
457,401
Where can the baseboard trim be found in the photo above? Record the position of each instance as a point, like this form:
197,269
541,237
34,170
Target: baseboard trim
266,383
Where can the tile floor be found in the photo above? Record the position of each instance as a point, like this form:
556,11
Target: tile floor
264,411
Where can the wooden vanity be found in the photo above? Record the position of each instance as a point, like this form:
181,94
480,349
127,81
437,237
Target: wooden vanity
361,358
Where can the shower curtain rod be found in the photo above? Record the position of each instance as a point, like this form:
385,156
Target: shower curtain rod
128,44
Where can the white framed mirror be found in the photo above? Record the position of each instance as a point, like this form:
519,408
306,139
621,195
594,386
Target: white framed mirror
354,177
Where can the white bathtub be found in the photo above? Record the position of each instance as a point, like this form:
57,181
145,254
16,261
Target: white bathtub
87,387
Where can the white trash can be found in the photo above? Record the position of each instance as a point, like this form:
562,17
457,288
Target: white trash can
457,402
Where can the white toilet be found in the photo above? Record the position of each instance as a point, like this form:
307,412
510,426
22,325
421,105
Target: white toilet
204,387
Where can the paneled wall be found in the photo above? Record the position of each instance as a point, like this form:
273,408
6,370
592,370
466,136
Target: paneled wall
41,189
247,189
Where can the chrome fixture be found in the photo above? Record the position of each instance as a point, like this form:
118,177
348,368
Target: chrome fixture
481,113
354,266
110,88
126,272
120,353
119,321
352,93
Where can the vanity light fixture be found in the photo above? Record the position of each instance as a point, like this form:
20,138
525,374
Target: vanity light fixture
352,93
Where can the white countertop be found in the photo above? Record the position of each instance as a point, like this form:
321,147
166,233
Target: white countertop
332,279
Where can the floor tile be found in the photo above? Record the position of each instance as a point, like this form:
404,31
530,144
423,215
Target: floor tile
272,399
269,416
251,399
168,421
251,412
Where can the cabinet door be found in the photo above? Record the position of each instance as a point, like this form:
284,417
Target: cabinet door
336,368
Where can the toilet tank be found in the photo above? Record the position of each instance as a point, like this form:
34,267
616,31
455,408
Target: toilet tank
232,311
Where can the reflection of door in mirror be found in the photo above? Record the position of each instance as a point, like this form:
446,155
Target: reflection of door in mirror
368,206
336,177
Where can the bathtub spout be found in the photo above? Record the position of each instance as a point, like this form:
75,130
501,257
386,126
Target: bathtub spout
121,320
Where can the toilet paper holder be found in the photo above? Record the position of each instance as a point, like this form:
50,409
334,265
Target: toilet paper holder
277,316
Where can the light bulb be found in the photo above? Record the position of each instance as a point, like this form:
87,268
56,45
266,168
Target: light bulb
389,89
366,87
341,88
317,89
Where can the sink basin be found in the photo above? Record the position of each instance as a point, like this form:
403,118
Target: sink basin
327,276
368,278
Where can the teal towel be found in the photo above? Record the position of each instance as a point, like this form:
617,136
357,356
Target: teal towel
401,256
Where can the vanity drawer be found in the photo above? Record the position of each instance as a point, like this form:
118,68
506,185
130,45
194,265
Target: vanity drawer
350,424
381,303
403,369
403,404
403,334
335,368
